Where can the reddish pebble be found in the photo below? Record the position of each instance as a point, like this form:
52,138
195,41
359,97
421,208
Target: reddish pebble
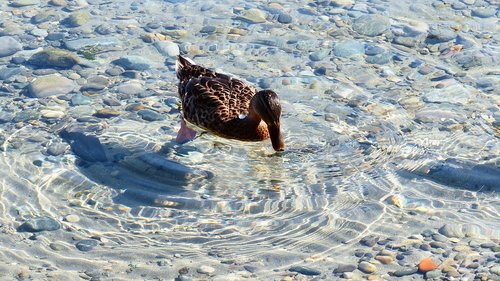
426,264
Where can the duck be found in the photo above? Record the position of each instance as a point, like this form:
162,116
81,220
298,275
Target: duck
226,106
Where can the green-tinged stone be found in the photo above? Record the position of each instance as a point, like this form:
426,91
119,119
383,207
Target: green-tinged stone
54,58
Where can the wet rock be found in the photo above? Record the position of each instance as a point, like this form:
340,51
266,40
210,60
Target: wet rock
56,149
452,230
369,240
86,146
440,35
133,62
54,58
484,12
379,58
367,267
433,274
284,18
105,29
5,117
409,42
106,113
344,268
9,46
95,83
24,3
77,19
371,25
205,269
348,49
319,55
72,218
45,16
7,72
50,85
59,3
426,265
405,271
80,99
131,88
304,270
167,48
39,224
471,58
26,115
384,259
150,115
437,115
252,16
86,245
75,45
111,102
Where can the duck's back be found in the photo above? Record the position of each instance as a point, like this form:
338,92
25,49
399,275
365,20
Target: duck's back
212,100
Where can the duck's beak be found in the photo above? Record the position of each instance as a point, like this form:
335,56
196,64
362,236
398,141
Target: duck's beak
276,137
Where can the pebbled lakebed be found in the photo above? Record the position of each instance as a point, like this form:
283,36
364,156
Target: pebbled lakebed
391,123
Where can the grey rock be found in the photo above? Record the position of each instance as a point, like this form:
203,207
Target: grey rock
367,267
39,224
319,55
5,117
80,99
7,72
150,115
105,29
23,3
440,34
484,12
111,102
56,149
45,16
95,83
471,58
452,230
435,244
26,115
437,115
372,50
50,85
344,268
208,29
405,41
433,274
405,271
86,245
371,25
75,45
167,48
284,18
54,58
77,19
369,240
133,62
9,46
130,88
304,270
38,32
348,49
55,36
380,58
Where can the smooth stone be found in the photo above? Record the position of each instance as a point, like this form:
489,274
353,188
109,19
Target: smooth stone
86,245
7,72
106,113
348,49
72,218
75,45
39,32
56,114
76,5
405,271
384,259
23,3
484,12
77,19
57,247
26,115
426,69
454,94
284,18
342,3
86,146
372,50
50,85
111,102
205,269
409,42
45,16
105,29
60,3
433,274
495,269
95,83
369,240
367,267
131,88
208,29
133,62
54,58
9,46
344,268
39,224
435,244
56,149
471,58
55,36
252,16
167,48
440,35
150,115
371,25
304,270
379,59
319,55
5,117
451,230
436,115
80,99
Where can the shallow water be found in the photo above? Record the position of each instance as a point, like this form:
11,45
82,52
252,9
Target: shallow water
386,142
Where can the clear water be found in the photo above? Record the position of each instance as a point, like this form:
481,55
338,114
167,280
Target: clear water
359,160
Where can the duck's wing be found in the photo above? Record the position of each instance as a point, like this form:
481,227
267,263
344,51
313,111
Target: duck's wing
214,100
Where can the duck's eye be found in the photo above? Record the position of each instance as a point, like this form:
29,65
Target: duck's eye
242,116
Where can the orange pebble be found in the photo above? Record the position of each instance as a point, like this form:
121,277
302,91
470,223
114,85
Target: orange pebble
426,264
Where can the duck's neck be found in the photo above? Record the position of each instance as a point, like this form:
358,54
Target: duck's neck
251,127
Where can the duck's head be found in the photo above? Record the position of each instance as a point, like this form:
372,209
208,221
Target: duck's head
267,105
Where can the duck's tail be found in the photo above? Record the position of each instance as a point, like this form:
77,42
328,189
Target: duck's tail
183,66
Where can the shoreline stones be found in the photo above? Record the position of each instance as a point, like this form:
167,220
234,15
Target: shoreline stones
39,224
54,58
371,25
9,46
50,85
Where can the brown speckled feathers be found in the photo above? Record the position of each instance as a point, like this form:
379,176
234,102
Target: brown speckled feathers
217,102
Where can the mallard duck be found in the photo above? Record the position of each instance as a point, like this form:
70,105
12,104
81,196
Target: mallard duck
226,106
